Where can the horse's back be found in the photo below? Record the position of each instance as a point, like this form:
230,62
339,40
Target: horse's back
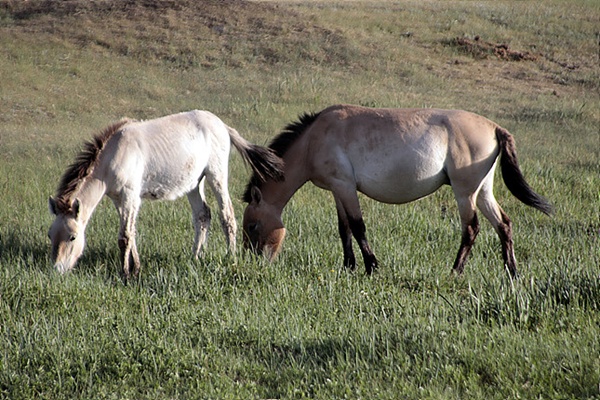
184,124
399,155
413,134
165,157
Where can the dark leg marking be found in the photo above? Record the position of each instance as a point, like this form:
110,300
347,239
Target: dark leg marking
508,252
358,229
346,236
469,234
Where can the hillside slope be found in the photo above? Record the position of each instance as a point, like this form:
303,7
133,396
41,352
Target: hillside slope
182,33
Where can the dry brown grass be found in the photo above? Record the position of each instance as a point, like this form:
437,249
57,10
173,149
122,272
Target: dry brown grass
182,33
236,33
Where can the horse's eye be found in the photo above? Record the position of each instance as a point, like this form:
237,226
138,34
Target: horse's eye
253,227
72,238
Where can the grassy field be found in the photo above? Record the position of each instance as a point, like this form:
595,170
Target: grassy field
302,327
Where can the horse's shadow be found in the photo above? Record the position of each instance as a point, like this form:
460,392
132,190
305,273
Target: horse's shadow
318,359
22,251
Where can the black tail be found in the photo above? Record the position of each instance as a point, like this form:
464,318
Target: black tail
513,177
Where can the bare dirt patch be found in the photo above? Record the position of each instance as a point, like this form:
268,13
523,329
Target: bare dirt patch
481,49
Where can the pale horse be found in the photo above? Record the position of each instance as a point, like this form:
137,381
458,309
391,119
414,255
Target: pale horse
159,159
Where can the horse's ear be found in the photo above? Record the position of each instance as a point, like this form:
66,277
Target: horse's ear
75,207
52,205
255,195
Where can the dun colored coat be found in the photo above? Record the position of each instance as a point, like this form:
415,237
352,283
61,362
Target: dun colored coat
393,156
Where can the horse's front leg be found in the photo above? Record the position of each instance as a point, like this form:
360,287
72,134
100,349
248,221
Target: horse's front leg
346,236
228,223
129,255
360,234
348,199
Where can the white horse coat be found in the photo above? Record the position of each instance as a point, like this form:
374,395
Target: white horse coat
159,159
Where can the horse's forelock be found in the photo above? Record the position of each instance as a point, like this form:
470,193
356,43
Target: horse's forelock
281,144
83,166
63,206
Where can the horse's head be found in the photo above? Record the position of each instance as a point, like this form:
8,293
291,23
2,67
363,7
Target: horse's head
66,234
263,229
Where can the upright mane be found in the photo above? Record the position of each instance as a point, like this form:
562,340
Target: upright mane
83,166
281,144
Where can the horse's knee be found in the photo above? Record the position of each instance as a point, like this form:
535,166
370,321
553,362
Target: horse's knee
359,230
229,226
129,257
228,215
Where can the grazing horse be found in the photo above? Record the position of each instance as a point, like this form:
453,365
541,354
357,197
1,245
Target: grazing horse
393,156
159,159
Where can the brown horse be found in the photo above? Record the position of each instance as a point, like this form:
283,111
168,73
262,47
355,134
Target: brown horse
393,156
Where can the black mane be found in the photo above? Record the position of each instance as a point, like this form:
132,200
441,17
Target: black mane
281,144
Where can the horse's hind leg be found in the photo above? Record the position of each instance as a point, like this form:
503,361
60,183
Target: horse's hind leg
201,217
219,187
501,223
346,236
470,229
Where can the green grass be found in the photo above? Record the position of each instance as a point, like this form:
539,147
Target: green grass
301,327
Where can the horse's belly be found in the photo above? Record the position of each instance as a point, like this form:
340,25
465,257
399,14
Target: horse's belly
400,186
159,190
399,168
173,182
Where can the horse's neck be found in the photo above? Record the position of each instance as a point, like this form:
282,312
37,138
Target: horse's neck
279,193
89,195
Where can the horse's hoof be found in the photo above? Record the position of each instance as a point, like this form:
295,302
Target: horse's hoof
372,268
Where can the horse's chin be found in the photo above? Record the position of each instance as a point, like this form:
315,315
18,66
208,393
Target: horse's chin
64,266
273,244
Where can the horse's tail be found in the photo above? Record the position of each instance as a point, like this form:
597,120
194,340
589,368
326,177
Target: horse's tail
513,177
263,161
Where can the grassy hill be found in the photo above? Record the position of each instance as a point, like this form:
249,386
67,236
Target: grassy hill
301,327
